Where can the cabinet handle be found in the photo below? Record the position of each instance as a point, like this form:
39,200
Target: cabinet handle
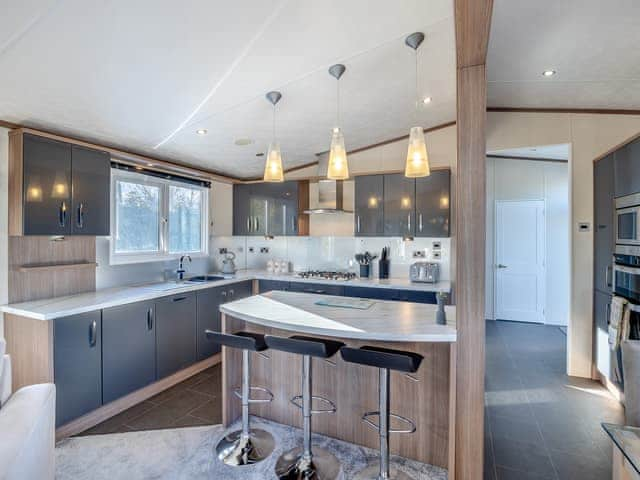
311,290
358,223
294,224
81,215
607,275
248,224
150,319
409,222
420,222
224,293
178,299
608,313
62,214
256,224
93,331
231,292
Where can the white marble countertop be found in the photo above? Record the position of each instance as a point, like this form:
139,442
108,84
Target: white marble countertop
383,321
52,308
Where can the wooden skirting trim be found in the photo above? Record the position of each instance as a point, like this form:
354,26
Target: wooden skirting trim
111,409
600,111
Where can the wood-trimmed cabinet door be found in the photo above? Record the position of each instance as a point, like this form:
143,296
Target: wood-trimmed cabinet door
369,197
208,318
128,349
432,204
603,238
77,365
91,180
175,333
399,205
46,187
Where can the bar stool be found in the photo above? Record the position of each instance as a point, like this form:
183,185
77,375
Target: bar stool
302,462
245,446
385,360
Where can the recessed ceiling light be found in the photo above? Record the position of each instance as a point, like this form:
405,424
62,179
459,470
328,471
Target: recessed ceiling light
426,100
149,164
201,131
548,73
241,142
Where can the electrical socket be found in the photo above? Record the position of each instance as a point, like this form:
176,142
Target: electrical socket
435,255
223,250
436,245
264,249
418,254
250,249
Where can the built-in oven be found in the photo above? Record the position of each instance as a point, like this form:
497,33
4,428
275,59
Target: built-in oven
627,221
626,282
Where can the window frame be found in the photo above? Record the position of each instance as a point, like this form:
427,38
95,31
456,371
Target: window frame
163,254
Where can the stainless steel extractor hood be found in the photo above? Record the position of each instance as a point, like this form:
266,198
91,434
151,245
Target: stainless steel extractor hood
330,198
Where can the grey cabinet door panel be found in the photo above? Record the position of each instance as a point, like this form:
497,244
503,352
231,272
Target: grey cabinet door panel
627,169
603,192
269,285
91,178
175,333
399,205
47,186
241,214
77,365
432,204
208,318
239,290
128,349
265,209
369,195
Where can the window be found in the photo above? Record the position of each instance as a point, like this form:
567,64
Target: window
156,219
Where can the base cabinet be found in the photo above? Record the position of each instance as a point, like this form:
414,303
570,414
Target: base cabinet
390,294
208,318
175,333
77,364
270,285
128,349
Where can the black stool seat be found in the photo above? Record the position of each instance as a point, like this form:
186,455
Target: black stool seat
400,360
241,340
316,347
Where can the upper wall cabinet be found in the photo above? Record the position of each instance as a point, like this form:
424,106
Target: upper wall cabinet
273,209
432,204
399,205
57,188
627,169
369,195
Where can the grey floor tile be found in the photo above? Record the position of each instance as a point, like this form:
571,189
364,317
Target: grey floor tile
511,429
117,423
503,473
579,467
522,456
211,412
166,413
211,386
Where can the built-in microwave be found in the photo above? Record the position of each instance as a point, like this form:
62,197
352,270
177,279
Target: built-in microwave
627,221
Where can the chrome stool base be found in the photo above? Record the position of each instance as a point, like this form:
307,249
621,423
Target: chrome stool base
292,466
373,473
235,451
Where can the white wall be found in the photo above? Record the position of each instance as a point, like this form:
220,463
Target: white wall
511,179
4,220
590,136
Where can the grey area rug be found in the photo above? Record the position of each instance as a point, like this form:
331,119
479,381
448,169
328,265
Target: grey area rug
187,453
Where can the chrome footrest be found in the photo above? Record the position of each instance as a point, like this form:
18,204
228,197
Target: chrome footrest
238,393
366,419
297,401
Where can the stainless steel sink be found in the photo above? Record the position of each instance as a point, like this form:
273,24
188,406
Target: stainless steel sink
205,278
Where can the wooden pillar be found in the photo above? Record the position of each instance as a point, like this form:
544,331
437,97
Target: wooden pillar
472,19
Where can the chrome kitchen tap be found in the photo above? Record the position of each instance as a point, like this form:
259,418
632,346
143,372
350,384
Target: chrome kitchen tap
181,269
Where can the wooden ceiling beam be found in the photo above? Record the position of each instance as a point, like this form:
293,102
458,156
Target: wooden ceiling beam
473,23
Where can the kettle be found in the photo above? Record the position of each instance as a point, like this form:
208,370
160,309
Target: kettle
228,264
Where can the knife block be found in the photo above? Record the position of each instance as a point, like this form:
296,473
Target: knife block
383,269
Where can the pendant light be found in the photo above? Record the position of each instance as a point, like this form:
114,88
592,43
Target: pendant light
338,168
417,164
273,171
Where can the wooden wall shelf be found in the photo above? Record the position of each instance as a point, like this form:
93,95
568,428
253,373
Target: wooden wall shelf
34,267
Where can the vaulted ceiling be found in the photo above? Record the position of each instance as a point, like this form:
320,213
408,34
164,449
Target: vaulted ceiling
146,75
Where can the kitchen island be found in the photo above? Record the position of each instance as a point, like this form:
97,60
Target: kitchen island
427,397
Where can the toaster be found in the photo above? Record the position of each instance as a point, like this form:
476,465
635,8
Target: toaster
426,272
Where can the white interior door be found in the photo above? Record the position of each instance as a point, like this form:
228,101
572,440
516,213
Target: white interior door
520,260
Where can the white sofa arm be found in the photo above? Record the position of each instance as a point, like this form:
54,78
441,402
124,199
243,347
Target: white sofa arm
27,434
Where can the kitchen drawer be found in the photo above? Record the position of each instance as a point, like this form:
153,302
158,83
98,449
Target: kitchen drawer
319,288
390,294
269,285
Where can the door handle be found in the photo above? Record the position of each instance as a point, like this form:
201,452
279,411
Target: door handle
93,332
501,266
248,224
409,222
256,224
607,275
231,292
80,220
608,313
62,214
293,224
358,223
420,222
150,319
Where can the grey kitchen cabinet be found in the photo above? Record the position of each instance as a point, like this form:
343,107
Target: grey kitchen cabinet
414,296
175,333
90,200
319,288
603,193
241,213
627,169
239,290
128,349
432,204
77,365
369,195
46,186
65,188
269,285
399,205
208,318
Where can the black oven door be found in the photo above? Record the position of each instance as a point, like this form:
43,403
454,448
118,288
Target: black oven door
626,282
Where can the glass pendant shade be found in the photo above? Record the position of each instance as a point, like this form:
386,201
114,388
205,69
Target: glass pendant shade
338,168
273,166
417,160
